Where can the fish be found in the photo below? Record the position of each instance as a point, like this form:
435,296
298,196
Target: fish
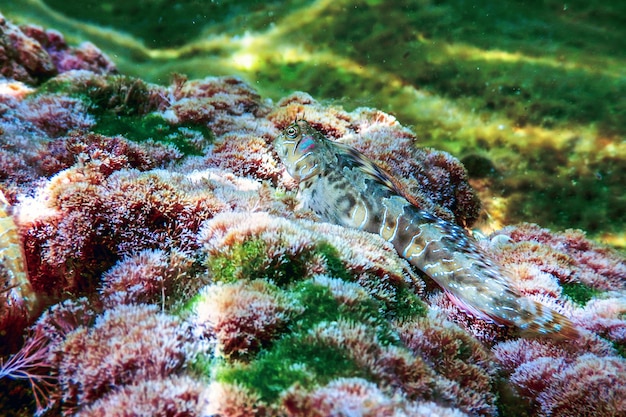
346,188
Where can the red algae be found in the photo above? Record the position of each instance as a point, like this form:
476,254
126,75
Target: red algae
32,54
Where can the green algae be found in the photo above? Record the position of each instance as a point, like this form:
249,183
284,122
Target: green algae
293,359
57,86
122,94
122,105
319,303
335,265
407,305
620,348
296,357
579,292
248,260
322,306
244,260
140,128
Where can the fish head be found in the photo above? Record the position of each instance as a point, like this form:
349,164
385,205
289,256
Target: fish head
301,149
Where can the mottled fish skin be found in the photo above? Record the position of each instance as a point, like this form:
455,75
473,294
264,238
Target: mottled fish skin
344,187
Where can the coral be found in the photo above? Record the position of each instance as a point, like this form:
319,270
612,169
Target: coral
175,396
606,316
126,345
20,138
150,276
564,383
56,114
32,55
339,349
467,368
65,58
247,154
568,256
214,99
340,327
33,128
390,366
243,316
567,272
113,153
355,396
24,58
91,219
231,400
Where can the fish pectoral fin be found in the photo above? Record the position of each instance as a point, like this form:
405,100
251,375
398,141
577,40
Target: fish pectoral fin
473,311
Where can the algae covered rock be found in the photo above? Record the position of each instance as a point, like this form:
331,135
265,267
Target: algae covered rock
163,235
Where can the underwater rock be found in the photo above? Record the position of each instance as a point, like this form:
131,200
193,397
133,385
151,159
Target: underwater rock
165,236
31,54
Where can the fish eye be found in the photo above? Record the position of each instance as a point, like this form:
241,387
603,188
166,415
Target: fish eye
292,131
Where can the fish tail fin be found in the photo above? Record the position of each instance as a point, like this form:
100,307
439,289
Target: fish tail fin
546,322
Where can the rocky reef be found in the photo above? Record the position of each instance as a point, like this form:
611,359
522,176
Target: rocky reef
154,259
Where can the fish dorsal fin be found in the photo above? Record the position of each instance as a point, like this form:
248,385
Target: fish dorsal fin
352,157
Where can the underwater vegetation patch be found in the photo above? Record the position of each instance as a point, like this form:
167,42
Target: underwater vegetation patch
322,306
158,23
590,202
620,348
248,260
579,292
124,105
189,138
121,94
293,359
297,357
334,263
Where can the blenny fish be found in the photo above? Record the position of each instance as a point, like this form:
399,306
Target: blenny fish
346,188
